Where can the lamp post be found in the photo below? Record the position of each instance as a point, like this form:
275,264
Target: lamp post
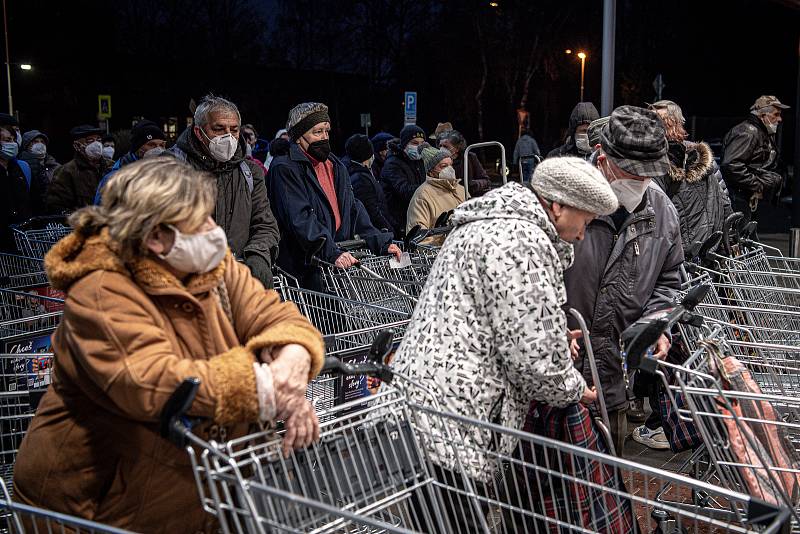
582,55
8,61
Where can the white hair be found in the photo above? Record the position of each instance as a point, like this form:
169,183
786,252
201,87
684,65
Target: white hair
210,104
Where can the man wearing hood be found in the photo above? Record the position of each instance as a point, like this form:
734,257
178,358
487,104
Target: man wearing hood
750,156
402,173
577,142
489,331
42,164
627,266
380,146
242,208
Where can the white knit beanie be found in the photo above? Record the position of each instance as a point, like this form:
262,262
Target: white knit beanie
574,182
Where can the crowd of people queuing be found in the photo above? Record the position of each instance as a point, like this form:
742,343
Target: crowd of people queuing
173,245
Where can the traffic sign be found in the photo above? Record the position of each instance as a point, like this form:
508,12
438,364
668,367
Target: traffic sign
659,85
103,107
366,120
411,107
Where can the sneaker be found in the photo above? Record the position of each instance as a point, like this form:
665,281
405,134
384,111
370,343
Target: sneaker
636,413
655,439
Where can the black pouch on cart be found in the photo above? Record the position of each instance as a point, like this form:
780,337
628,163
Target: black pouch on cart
362,463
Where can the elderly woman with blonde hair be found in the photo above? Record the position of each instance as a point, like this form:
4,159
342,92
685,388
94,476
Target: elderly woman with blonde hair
153,296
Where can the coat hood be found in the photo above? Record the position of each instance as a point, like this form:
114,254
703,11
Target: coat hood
77,255
582,113
513,201
699,162
197,153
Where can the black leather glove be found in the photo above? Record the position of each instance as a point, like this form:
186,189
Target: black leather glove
260,268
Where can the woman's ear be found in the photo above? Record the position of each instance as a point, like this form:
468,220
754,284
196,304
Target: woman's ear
158,242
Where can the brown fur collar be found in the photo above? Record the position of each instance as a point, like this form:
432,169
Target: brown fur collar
76,256
700,160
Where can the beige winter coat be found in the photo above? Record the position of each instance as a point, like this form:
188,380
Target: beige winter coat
430,200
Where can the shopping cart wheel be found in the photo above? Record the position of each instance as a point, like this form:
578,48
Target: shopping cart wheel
665,524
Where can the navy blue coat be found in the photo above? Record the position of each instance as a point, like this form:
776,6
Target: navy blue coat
306,220
367,189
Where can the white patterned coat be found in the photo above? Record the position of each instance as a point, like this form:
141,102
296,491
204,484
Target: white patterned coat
489,334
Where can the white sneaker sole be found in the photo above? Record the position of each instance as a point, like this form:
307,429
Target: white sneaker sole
650,442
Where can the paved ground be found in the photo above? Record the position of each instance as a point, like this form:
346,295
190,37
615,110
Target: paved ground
637,452
780,241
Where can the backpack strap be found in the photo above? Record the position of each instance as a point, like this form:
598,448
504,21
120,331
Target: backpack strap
26,171
248,174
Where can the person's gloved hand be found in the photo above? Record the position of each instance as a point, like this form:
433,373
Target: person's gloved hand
479,186
260,268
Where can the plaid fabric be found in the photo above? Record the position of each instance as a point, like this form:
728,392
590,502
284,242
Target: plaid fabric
576,503
681,434
634,139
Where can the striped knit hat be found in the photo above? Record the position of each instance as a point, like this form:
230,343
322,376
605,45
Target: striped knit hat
305,116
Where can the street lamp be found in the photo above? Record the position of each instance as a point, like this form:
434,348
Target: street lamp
582,56
26,66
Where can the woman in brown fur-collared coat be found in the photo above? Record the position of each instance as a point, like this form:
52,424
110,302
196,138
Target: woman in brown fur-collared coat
153,297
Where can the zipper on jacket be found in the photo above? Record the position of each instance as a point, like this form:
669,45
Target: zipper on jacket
636,248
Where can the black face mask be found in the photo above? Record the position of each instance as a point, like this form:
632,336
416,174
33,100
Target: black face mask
319,150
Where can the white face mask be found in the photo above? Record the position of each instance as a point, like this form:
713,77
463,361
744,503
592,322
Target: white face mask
108,152
448,173
94,150
582,142
222,147
196,253
772,127
40,149
153,152
630,192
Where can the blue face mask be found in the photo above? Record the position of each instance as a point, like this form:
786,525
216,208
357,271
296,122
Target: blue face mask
413,153
9,150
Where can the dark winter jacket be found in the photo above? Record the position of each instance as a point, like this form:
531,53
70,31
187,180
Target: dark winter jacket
750,160
75,184
582,113
367,189
127,159
244,214
620,276
400,178
15,206
306,219
42,170
478,180
693,185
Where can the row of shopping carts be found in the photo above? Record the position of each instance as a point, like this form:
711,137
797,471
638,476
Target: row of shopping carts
375,467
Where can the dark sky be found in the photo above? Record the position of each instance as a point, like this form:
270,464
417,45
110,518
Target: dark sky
716,57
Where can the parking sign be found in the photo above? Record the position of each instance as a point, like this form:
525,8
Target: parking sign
411,107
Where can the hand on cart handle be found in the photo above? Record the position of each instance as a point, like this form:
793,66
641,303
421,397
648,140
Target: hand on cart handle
574,347
589,395
345,261
290,367
395,250
302,428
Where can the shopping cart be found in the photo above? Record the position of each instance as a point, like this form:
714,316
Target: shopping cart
26,323
36,236
349,329
377,468
750,437
377,280
20,518
21,272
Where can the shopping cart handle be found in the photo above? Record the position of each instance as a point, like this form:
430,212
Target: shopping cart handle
709,245
381,346
334,365
411,237
351,244
730,231
173,424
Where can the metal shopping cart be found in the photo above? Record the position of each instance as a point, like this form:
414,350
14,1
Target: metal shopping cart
27,320
36,236
750,437
20,518
21,272
349,329
378,468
